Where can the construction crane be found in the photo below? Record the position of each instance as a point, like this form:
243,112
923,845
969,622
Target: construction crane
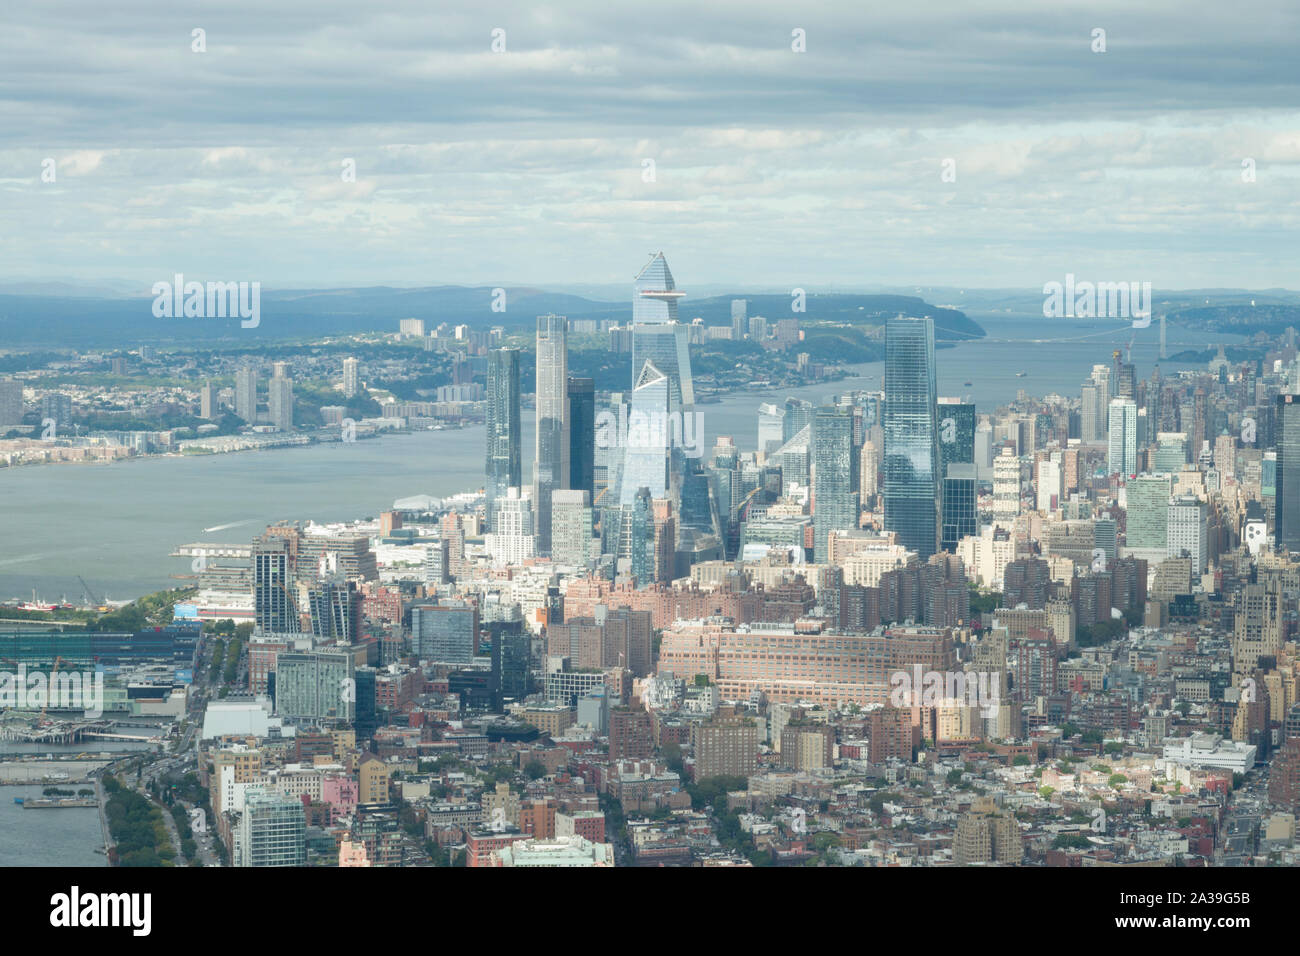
94,601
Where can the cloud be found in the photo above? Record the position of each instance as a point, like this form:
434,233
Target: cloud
771,165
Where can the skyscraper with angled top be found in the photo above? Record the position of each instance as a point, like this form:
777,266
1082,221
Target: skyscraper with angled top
657,335
551,470
911,464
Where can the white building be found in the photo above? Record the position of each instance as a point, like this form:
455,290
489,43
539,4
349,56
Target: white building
512,542
1209,751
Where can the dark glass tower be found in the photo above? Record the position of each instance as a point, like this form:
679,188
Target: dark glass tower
582,434
835,503
960,517
1287,428
504,469
956,424
911,488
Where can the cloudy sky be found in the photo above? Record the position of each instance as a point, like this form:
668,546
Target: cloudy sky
771,168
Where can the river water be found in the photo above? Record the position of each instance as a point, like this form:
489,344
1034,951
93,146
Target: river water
115,525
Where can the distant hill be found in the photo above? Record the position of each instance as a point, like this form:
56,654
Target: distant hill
94,322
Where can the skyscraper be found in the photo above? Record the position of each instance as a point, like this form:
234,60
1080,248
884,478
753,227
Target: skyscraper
246,394
911,488
504,467
657,335
739,308
960,517
350,383
551,470
280,398
835,474
273,606
956,423
1147,517
1287,474
1123,438
582,434
646,464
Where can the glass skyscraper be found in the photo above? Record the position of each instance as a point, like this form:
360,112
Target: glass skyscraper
960,516
956,422
1287,473
657,336
504,466
648,436
911,454
582,434
551,470
835,503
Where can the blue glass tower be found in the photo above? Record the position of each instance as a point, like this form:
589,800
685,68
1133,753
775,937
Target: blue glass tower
911,465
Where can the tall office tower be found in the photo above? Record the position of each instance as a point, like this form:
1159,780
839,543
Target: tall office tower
798,416
1006,488
657,336
582,434
1124,382
1090,413
1258,626
207,401
911,489
1147,517
272,830
571,528
350,379
960,514
1105,391
1171,452
246,394
504,467
511,541
1187,531
551,470
1287,474
1122,459
273,606
280,398
835,476
646,464
956,423
739,310
770,420
11,403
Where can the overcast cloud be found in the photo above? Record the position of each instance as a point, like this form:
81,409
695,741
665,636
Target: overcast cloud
772,168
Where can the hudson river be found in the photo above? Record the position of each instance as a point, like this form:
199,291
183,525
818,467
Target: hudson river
116,525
